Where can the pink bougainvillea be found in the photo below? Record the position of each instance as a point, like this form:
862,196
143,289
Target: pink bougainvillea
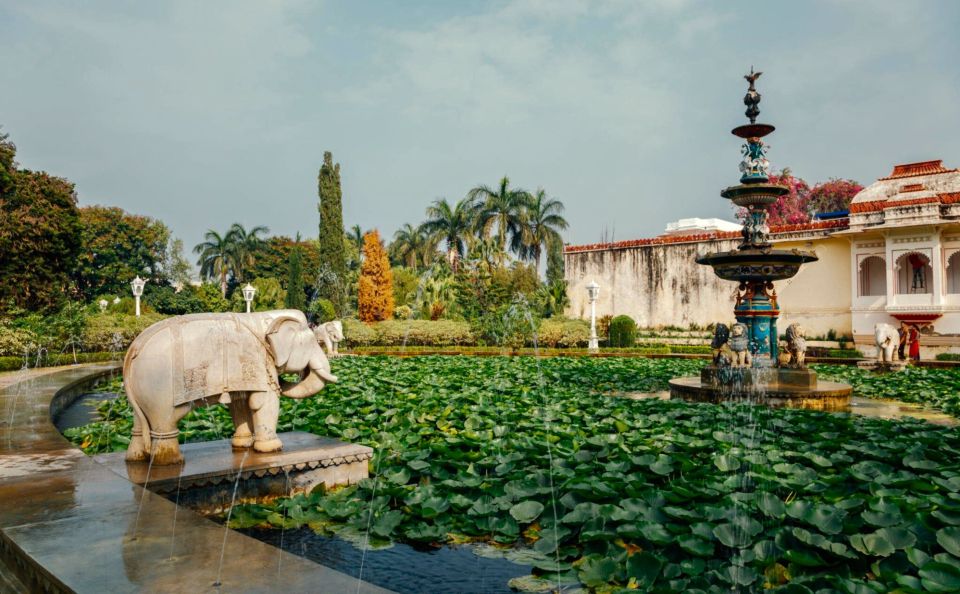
801,203
833,195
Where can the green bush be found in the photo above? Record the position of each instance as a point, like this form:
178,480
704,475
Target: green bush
623,332
423,332
948,357
561,332
51,360
402,312
166,300
110,332
321,310
356,333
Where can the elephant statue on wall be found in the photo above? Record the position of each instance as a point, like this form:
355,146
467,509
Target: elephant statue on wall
887,338
229,358
331,334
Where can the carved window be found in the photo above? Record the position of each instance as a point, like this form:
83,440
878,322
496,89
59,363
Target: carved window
873,276
953,273
914,274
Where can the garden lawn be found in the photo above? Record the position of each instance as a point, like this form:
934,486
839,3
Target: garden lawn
663,496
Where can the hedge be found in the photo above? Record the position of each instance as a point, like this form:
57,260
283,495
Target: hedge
16,363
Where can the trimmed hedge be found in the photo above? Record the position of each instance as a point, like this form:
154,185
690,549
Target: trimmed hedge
16,363
948,357
553,333
623,332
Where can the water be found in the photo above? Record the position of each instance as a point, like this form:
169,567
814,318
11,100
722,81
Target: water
402,568
83,411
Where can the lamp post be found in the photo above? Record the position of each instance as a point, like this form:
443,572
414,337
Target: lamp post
137,285
248,293
593,291
103,303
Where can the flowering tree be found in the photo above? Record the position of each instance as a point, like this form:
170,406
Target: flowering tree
833,195
791,208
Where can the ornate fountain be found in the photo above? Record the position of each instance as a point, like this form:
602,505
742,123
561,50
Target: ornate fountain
747,362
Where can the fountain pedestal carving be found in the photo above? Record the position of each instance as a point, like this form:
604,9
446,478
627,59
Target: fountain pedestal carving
747,363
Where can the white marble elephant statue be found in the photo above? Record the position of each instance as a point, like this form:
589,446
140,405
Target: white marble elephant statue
887,338
331,334
200,359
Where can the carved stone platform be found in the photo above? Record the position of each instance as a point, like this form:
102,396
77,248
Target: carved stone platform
205,480
883,366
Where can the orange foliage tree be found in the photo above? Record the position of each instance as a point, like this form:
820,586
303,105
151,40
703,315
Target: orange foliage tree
375,293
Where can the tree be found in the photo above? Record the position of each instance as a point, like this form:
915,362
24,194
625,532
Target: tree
791,208
452,224
375,292
555,266
244,245
272,258
540,225
832,196
116,246
216,258
295,295
412,246
39,234
176,267
331,229
501,207
269,295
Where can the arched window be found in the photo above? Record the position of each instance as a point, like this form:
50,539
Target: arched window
914,274
953,273
873,276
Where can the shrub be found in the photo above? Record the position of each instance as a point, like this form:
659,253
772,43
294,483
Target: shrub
356,333
603,326
402,312
211,298
167,301
561,332
321,310
623,332
269,295
16,341
423,333
948,357
109,332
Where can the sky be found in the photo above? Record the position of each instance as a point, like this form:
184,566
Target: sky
203,114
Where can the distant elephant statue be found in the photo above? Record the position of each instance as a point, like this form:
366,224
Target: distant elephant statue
200,359
796,345
740,345
331,334
887,338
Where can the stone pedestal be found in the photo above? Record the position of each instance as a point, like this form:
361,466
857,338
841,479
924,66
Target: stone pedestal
712,375
205,482
883,366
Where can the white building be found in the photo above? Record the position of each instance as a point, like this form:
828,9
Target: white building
894,258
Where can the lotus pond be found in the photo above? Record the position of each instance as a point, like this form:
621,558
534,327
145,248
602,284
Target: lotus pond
534,459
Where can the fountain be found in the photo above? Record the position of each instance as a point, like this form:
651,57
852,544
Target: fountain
747,362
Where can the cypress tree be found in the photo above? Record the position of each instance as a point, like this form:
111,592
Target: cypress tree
555,269
332,257
375,291
295,292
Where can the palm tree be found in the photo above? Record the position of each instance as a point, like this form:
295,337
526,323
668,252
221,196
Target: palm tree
452,224
216,257
244,245
540,226
503,207
355,235
412,246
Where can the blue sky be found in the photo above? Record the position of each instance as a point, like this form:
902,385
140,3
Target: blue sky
206,113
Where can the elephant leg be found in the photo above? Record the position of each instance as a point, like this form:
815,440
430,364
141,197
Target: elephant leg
137,450
164,445
265,407
242,421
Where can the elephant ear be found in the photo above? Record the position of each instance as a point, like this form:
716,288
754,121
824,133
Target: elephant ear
285,337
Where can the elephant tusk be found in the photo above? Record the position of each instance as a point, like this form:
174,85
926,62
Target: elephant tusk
327,376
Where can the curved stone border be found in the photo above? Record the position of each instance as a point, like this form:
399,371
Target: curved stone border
68,524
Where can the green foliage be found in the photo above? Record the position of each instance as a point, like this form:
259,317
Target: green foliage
948,357
271,258
402,312
211,299
295,298
622,332
113,332
357,333
422,332
331,246
562,332
321,310
39,235
662,496
555,266
116,247
405,284
164,299
34,359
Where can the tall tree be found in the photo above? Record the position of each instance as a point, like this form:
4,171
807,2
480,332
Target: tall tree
39,234
555,266
332,258
540,225
412,246
502,207
375,290
117,246
177,267
245,245
216,258
452,224
295,294
272,258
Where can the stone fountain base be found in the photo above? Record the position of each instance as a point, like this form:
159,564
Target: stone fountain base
777,387
205,482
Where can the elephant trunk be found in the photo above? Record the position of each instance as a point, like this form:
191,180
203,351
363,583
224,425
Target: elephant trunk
315,377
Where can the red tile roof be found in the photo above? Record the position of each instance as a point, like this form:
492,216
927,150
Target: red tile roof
878,205
700,237
921,168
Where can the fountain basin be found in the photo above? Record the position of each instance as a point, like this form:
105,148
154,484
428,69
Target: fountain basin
790,392
757,265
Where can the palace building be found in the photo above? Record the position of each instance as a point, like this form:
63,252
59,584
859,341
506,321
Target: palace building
894,257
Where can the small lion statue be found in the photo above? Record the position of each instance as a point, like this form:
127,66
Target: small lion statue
796,346
740,345
719,346
331,335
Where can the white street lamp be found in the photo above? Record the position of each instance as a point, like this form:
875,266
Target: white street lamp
248,293
103,303
593,291
137,285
